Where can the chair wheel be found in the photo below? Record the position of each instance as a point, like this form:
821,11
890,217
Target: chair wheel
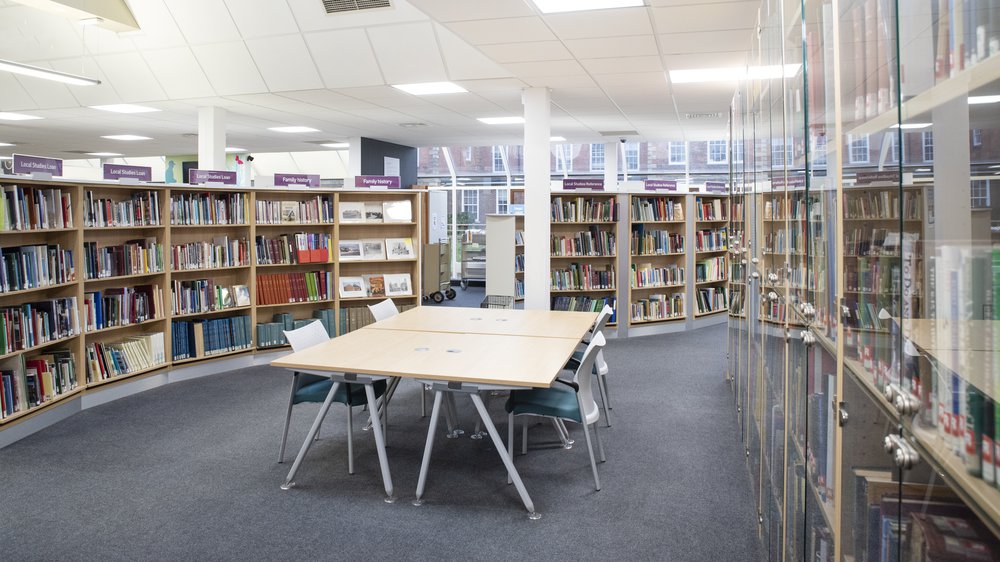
450,293
437,297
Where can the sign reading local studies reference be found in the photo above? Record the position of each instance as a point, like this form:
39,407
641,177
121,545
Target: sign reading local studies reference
391,182
583,183
212,176
121,171
656,185
24,164
292,180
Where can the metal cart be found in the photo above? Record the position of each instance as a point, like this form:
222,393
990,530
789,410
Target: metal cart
437,271
473,258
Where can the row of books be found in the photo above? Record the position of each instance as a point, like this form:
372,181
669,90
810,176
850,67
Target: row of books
780,209
196,296
141,208
207,337
712,299
131,258
376,285
376,249
519,288
375,212
34,208
645,275
271,334
811,279
774,311
583,303
220,252
584,209
711,240
791,240
518,263
712,208
592,242
656,209
295,248
583,277
519,237
121,306
736,300
207,209
872,275
31,267
30,324
356,317
318,209
280,288
870,205
106,360
27,383
875,242
712,269
657,307
655,242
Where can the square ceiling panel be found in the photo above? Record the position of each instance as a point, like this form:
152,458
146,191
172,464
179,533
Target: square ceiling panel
463,61
706,17
450,10
526,52
261,19
272,56
490,31
130,77
623,65
229,68
407,53
310,15
610,47
705,41
600,23
345,58
178,72
203,21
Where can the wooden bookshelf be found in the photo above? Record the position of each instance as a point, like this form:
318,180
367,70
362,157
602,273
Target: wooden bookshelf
657,265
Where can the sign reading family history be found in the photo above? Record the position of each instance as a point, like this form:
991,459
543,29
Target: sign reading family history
292,180
715,187
391,182
658,185
223,177
24,164
121,171
583,183
866,178
785,182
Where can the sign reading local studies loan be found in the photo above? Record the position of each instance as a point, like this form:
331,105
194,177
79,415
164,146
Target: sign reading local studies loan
121,171
212,176
24,164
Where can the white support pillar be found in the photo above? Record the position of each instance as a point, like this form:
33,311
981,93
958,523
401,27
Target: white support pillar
611,165
211,138
353,160
537,130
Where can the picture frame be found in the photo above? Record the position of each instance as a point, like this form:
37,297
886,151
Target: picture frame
349,250
397,211
351,212
373,249
398,284
399,249
373,212
352,287
242,295
374,285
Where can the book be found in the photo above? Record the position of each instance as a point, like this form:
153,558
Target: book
397,211
399,249
242,295
373,249
349,250
352,287
398,285
373,212
374,285
352,211
289,211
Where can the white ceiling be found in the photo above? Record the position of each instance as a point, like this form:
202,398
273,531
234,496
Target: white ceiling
286,62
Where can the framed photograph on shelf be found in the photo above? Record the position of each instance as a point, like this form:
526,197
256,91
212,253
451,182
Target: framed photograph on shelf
398,285
397,211
352,212
349,250
373,211
374,285
242,294
373,249
399,249
352,287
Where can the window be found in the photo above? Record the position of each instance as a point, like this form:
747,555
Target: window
470,203
738,152
503,200
564,157
893,153
980,194
467,154
781,153
498,166
977,137
927,141
597,157
678,152
819,150
858,152
632,156
717,152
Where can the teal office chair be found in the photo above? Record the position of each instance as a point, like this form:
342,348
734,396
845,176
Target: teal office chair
564,401
600,365
308,387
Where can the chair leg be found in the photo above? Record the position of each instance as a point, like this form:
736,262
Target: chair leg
604,400
423,401
563,435
524,437
600,444
288,419
510,441
603,379
350,440
593,463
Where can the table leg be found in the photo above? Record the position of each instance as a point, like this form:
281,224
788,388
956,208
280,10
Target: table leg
422,480
502,451
290,480
451,417
383,460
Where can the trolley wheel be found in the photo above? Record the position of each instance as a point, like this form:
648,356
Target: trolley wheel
437,297
450,293
465,284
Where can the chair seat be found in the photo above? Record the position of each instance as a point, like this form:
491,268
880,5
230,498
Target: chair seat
557,402
349,394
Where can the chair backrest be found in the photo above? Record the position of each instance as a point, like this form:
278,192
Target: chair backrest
602,318
383,310
584,378
307,336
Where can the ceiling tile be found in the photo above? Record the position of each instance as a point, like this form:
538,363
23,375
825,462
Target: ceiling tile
545,68
337,70
464,62
602,47
229,68
272,56
622,65
633,79
526,51
705,41
407,53
179,73
203,21
328,99
159,29
487,32
130,77
47,94
13,97
706,17
600,23
311,16
450,10
262,19
705,60
101,94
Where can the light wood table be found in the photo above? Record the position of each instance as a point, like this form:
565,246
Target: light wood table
451,362
534,323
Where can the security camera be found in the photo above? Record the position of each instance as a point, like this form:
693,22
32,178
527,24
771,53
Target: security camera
622,140
249,158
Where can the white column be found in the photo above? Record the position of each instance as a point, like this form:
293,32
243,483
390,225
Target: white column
537,130
611,165
211,138
353,160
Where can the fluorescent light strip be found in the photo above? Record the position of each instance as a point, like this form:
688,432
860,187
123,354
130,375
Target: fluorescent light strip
293,129
7,144
126,137
980,100
560,6
430,88
557,139
906,126
501,120
733,74
125,108
103,154
8,116
337,145
232,149
46,74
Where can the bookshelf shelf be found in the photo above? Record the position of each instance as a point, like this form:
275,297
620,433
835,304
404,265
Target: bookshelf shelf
711,281
375,224
209,226
572,291
38,231
124,326
352,262
308,264
273,347
609,257
657,287
719,251
40,346
128,376
294,225
205,270
210,312
298,303
577,223
59,398
378,298
657,320
663,255
212,356
125,228
710,312
124,277
38,289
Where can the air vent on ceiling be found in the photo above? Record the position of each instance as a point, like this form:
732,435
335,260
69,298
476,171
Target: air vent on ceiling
412,125
705,115
338,6
617,133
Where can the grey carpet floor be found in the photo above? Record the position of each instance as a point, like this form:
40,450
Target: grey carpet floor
188,471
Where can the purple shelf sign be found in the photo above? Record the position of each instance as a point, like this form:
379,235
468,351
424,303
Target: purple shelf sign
292,180
715,187
583,183
657,185
392,182
121,171
212,176
24,164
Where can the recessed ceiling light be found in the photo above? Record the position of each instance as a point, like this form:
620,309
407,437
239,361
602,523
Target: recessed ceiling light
922,170
125,108
7,144
501,120
235,149
911,126
87,22
46,74
557,139
126,137
995,166
430,88
293,129
103,154
557,6
733,74
336,145
6,157
979,100
8,116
